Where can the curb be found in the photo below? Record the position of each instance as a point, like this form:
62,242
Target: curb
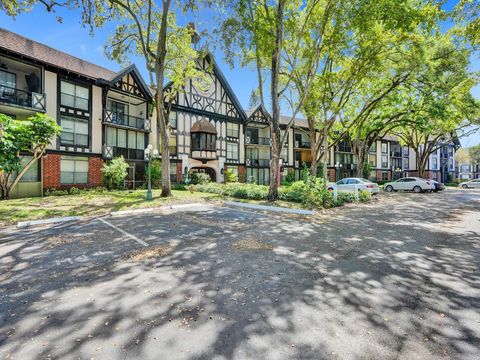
25,224
270,208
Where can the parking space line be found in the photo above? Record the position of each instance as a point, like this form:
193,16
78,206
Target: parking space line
133,237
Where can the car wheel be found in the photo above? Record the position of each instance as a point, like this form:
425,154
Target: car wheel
465,186
435,190
330,189
417,189
389,188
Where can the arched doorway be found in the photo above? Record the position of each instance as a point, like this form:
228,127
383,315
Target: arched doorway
206,170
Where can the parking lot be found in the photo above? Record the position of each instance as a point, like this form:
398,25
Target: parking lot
395,279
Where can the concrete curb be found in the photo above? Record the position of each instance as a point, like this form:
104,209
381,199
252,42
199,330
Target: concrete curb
270,208
149,210
25,224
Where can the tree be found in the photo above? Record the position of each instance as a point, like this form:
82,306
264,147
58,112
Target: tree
29,136
115,171
150,31
276,37
445,106
474,154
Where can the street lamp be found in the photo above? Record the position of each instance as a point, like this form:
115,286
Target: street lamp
149,154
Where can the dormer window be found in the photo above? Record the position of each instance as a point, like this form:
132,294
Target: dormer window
204,136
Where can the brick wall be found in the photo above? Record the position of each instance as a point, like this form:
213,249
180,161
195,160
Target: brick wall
242,174
331,175
51,171
179,172
95,175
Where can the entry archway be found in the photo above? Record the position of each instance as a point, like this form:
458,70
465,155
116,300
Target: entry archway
205,170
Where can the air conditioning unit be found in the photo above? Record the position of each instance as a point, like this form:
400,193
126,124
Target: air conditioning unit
247,140
297,163
248,162
297,144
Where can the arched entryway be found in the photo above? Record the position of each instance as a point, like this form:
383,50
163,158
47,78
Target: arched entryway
206,170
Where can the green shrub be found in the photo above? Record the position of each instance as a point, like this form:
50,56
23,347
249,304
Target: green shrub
181,187
364,196
55,192
290,178
155,173
199,178
230,176
74,191
114,172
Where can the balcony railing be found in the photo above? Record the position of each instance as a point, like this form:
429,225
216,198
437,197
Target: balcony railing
110,152
395,153
9,95
258,162
254,140
111,117
302,144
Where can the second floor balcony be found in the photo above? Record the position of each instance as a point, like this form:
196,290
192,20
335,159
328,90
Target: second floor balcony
22,98
256,140
258,162
115,118
110,152
302,144
397,153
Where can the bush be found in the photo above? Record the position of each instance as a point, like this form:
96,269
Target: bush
155,173
55,192
290,178
181,187
230,176
115,171
364,196
199,178
74,191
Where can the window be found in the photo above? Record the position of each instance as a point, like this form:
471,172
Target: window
8,79
172,119
406,164
384,175
232,130
405,150
173,172
203,141
372,160
73,170
373,148
119,111
384,148
74,96
284,154
434,163
450,163
232,151
384,160
74,131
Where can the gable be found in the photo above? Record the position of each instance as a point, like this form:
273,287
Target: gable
130,81
259,115
218,99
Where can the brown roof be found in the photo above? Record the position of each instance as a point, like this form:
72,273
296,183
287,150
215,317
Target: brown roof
47,55
203,126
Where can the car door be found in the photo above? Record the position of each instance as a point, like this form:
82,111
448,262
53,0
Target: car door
342,185
399,184
475,184
355,182
409,184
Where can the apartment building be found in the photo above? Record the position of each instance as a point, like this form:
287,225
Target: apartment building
103,113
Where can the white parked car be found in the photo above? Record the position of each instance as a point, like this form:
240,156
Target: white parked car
415,184
475,183
349,184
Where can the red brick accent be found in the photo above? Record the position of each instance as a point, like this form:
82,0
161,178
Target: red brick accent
95,175
179,172
51,171
242,174
331,175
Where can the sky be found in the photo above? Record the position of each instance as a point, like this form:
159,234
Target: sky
69,36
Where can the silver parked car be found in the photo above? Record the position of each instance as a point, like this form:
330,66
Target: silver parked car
415,184
472,184
349,184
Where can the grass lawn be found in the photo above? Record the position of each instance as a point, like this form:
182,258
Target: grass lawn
88,204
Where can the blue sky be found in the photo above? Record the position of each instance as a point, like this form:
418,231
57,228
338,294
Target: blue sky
69,36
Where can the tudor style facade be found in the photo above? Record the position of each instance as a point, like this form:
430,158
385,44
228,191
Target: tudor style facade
105,114
102,113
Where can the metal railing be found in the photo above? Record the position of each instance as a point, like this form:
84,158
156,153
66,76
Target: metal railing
111,117
396,154
259,140
131,154
9,95
302,144
259,162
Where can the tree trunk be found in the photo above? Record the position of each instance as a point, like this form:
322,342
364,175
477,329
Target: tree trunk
313,147
325,154
275,69
165,151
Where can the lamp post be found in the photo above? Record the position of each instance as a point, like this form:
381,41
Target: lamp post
149,154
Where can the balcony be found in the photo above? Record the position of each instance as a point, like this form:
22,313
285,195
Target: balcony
255,140
258,162
129,121
110,152
396,154
22,98
302,144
